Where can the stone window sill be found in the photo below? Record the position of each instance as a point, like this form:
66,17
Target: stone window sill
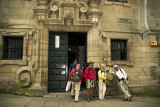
13,62
125,63
125,4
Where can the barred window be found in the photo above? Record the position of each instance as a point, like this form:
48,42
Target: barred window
118,49
12,48
118,0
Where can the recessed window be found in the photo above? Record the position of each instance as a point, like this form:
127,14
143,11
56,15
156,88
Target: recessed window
118,49
12,48
118,0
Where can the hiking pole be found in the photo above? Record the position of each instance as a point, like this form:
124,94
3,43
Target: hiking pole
129,88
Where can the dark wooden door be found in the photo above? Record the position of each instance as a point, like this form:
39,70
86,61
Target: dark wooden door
58,59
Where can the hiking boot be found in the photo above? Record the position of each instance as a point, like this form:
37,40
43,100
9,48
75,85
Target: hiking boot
104,99
130,99
91,98
88,99
125,99
72,96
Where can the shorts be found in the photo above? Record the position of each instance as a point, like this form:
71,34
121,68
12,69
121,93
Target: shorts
89,83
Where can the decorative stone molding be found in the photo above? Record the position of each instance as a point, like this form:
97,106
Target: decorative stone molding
28,63
13,33
107,58
103,35
68,12
23,76
41,10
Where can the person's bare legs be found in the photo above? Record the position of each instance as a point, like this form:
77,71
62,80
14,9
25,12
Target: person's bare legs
91,93
87,92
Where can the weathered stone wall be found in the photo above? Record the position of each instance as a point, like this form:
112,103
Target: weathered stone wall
119,16
122,21
17,18
118,21
153,15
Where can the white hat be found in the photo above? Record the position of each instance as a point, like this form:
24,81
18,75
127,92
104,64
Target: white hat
115,66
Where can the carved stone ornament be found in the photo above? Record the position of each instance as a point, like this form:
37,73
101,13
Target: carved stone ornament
56,12
54,7
23,76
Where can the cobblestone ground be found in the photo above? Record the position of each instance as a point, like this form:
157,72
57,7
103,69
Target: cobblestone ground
65,100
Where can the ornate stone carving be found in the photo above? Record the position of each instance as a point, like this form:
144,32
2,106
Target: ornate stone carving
41,10
67,12
23,76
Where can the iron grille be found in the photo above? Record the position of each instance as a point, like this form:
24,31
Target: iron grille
118,49
12,48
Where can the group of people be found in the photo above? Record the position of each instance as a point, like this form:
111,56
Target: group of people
76,76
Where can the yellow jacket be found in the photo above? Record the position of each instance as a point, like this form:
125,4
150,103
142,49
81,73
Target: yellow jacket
102,75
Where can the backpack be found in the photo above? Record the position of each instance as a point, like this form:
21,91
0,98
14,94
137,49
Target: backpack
72,66
85,66
97,69
122,72
76,77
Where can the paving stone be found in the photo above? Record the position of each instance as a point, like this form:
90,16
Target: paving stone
51,103
35,103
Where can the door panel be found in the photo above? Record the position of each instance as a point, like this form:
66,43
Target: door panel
58,60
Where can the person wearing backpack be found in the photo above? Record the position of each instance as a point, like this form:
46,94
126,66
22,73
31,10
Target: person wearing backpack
122,81
102,76
76,76
90,78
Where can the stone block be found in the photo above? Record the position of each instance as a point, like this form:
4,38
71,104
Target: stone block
29,16
19,21
141,64
108,2
118,4
151,54
139,55
146,60
135,70
137,60
128,4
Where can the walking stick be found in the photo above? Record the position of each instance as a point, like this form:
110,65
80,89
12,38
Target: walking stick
129,88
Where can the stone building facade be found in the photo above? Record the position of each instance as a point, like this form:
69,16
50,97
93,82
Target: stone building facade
128,25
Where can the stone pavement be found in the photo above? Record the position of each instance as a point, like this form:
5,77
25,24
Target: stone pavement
65,100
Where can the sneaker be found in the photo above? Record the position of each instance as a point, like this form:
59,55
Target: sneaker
76,101
92,98
125,99
130,99
88,99
72,96
104,99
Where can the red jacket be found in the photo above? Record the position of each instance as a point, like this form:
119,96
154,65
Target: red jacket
73,70
91,74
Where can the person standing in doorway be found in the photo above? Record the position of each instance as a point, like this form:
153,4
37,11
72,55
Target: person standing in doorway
90,78
76,76
121,74
73,65
102,76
